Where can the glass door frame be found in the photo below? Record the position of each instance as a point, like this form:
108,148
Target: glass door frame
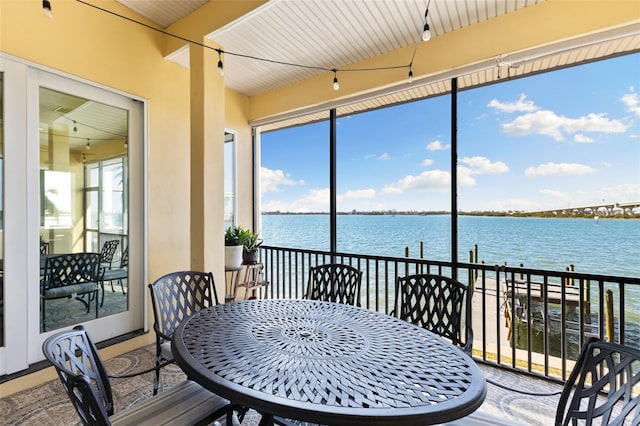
22,81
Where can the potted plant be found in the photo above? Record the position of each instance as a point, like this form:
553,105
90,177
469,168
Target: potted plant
251,243
232,248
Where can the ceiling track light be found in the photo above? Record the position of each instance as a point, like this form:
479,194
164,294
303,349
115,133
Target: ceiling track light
336,85
75,127
46,9
220,65
88,145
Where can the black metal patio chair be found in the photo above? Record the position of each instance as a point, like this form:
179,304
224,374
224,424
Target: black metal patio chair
118,274
84,378
603,387
437,303
334,282
106,259
70,275
175,297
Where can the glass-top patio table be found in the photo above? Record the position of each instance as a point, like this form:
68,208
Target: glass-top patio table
327,363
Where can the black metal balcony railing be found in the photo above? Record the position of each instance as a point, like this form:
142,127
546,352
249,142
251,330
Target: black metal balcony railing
518,320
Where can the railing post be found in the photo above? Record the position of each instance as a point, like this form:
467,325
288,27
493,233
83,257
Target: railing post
521,274
608,313
586,289
572,268
474,273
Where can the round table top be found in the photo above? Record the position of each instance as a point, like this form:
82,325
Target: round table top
327,363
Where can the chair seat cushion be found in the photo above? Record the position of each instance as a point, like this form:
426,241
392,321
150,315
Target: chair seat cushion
68,290
185,403
115,274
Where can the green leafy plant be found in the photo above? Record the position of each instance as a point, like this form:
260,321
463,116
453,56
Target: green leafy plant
232,236
250,241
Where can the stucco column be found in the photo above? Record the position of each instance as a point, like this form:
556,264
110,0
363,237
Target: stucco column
61,237
207,163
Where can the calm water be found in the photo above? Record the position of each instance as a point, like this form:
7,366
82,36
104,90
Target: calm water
607,247
610,247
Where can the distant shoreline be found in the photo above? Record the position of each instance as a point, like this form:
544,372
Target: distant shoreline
438,213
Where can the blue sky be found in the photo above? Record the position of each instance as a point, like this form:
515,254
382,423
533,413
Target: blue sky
559,139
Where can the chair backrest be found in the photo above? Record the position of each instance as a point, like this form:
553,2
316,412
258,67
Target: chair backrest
178,295
335,282
82,374
603,387
108,251
72,268
438,304
44,247
124,259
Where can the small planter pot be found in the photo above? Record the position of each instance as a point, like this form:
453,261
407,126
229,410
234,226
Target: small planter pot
249,258
232,257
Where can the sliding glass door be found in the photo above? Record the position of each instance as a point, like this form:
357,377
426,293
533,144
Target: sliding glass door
73,155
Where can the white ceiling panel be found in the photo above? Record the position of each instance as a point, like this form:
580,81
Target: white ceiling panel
163,12
327,34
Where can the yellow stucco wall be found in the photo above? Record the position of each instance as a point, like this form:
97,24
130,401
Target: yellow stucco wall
98,47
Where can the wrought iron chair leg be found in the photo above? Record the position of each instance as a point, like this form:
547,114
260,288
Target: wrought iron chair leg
156,379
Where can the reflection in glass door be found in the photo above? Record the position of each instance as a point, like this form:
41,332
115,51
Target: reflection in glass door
83,163
229,179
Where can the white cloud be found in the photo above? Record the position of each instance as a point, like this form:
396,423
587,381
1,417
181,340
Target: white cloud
554,193
274,206
271,180
559,169
542,122
383,157
582,138
360,193
521,105
482,165
593,123
437,146
316,200
427,162
622,192
430,181
632,102
465,177
550,124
